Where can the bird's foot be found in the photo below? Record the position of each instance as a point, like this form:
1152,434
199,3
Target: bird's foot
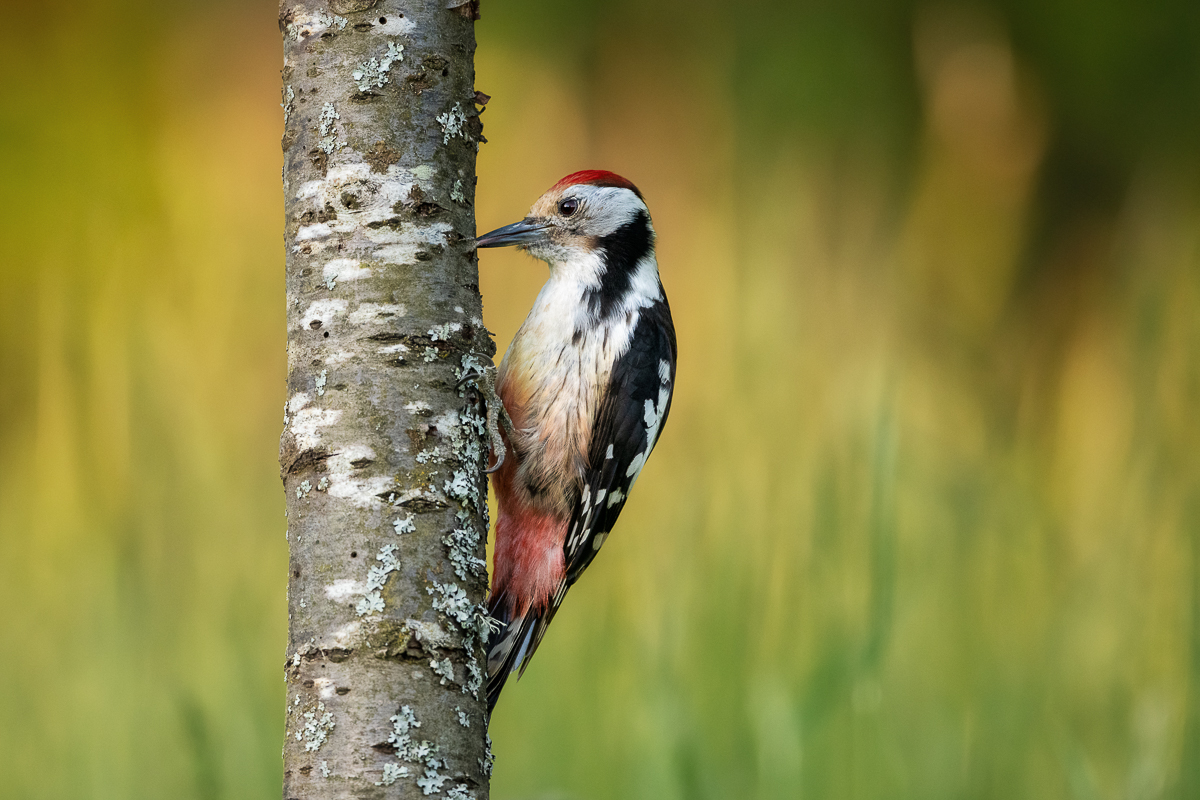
482,377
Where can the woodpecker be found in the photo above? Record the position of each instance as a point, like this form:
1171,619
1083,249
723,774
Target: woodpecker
587,385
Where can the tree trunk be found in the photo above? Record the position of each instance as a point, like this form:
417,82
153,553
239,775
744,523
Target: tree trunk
381,453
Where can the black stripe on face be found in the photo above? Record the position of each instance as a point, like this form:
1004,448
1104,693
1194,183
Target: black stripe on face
621,251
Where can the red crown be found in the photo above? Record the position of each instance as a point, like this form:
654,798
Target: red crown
596,177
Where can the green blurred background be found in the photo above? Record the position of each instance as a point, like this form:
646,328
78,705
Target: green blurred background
925,522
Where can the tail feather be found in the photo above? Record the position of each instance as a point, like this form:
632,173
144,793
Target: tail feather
516,640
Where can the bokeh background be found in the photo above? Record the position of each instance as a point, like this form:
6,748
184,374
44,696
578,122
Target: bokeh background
925,522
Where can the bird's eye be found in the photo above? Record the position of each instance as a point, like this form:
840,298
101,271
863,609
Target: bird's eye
568,207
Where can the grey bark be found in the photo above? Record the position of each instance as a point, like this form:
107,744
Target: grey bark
382,453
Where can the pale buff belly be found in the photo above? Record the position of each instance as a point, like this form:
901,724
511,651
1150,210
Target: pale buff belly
552,387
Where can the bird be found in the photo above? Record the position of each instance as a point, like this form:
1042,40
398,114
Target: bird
587,384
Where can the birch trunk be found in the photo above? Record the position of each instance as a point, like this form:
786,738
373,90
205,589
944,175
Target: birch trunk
381,453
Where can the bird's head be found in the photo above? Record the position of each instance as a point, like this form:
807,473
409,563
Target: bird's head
585,215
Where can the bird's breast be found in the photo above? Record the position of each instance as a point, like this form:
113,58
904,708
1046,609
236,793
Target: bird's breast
552,380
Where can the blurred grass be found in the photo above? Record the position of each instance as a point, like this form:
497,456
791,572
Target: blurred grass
926,519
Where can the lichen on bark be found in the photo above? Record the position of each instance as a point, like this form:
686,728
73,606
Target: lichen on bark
382,453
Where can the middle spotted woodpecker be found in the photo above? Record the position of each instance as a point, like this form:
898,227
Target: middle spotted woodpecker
587,383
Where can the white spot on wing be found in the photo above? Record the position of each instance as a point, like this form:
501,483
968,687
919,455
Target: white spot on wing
653,418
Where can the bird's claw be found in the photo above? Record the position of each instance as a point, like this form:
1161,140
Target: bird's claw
484,380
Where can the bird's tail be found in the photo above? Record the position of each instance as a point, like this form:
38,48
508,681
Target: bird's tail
516,639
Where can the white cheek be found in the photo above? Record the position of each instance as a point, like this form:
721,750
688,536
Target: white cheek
608,208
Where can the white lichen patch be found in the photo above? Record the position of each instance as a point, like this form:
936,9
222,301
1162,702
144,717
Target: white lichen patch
344,590
394,26
425,456
462,543
457,195
396,350
307,422
376,313
453,122
303,25
345,484
444,669
461,487
401,498
303,489
441,333
431,354
377,577
388,564
338,358
343,637
373,74
459,792
489,760
429,634
406,525
328,138
401,245
391,774
324,769
403,725
296,402
372,603
465,433
288,104
323,311
317,725
419,408
320,382
452,601
474,681
431,782
361,197
463,719
318,230
344,270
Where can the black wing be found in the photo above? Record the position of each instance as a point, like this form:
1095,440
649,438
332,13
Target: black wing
628,424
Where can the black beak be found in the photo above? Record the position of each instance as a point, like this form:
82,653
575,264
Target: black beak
524,232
